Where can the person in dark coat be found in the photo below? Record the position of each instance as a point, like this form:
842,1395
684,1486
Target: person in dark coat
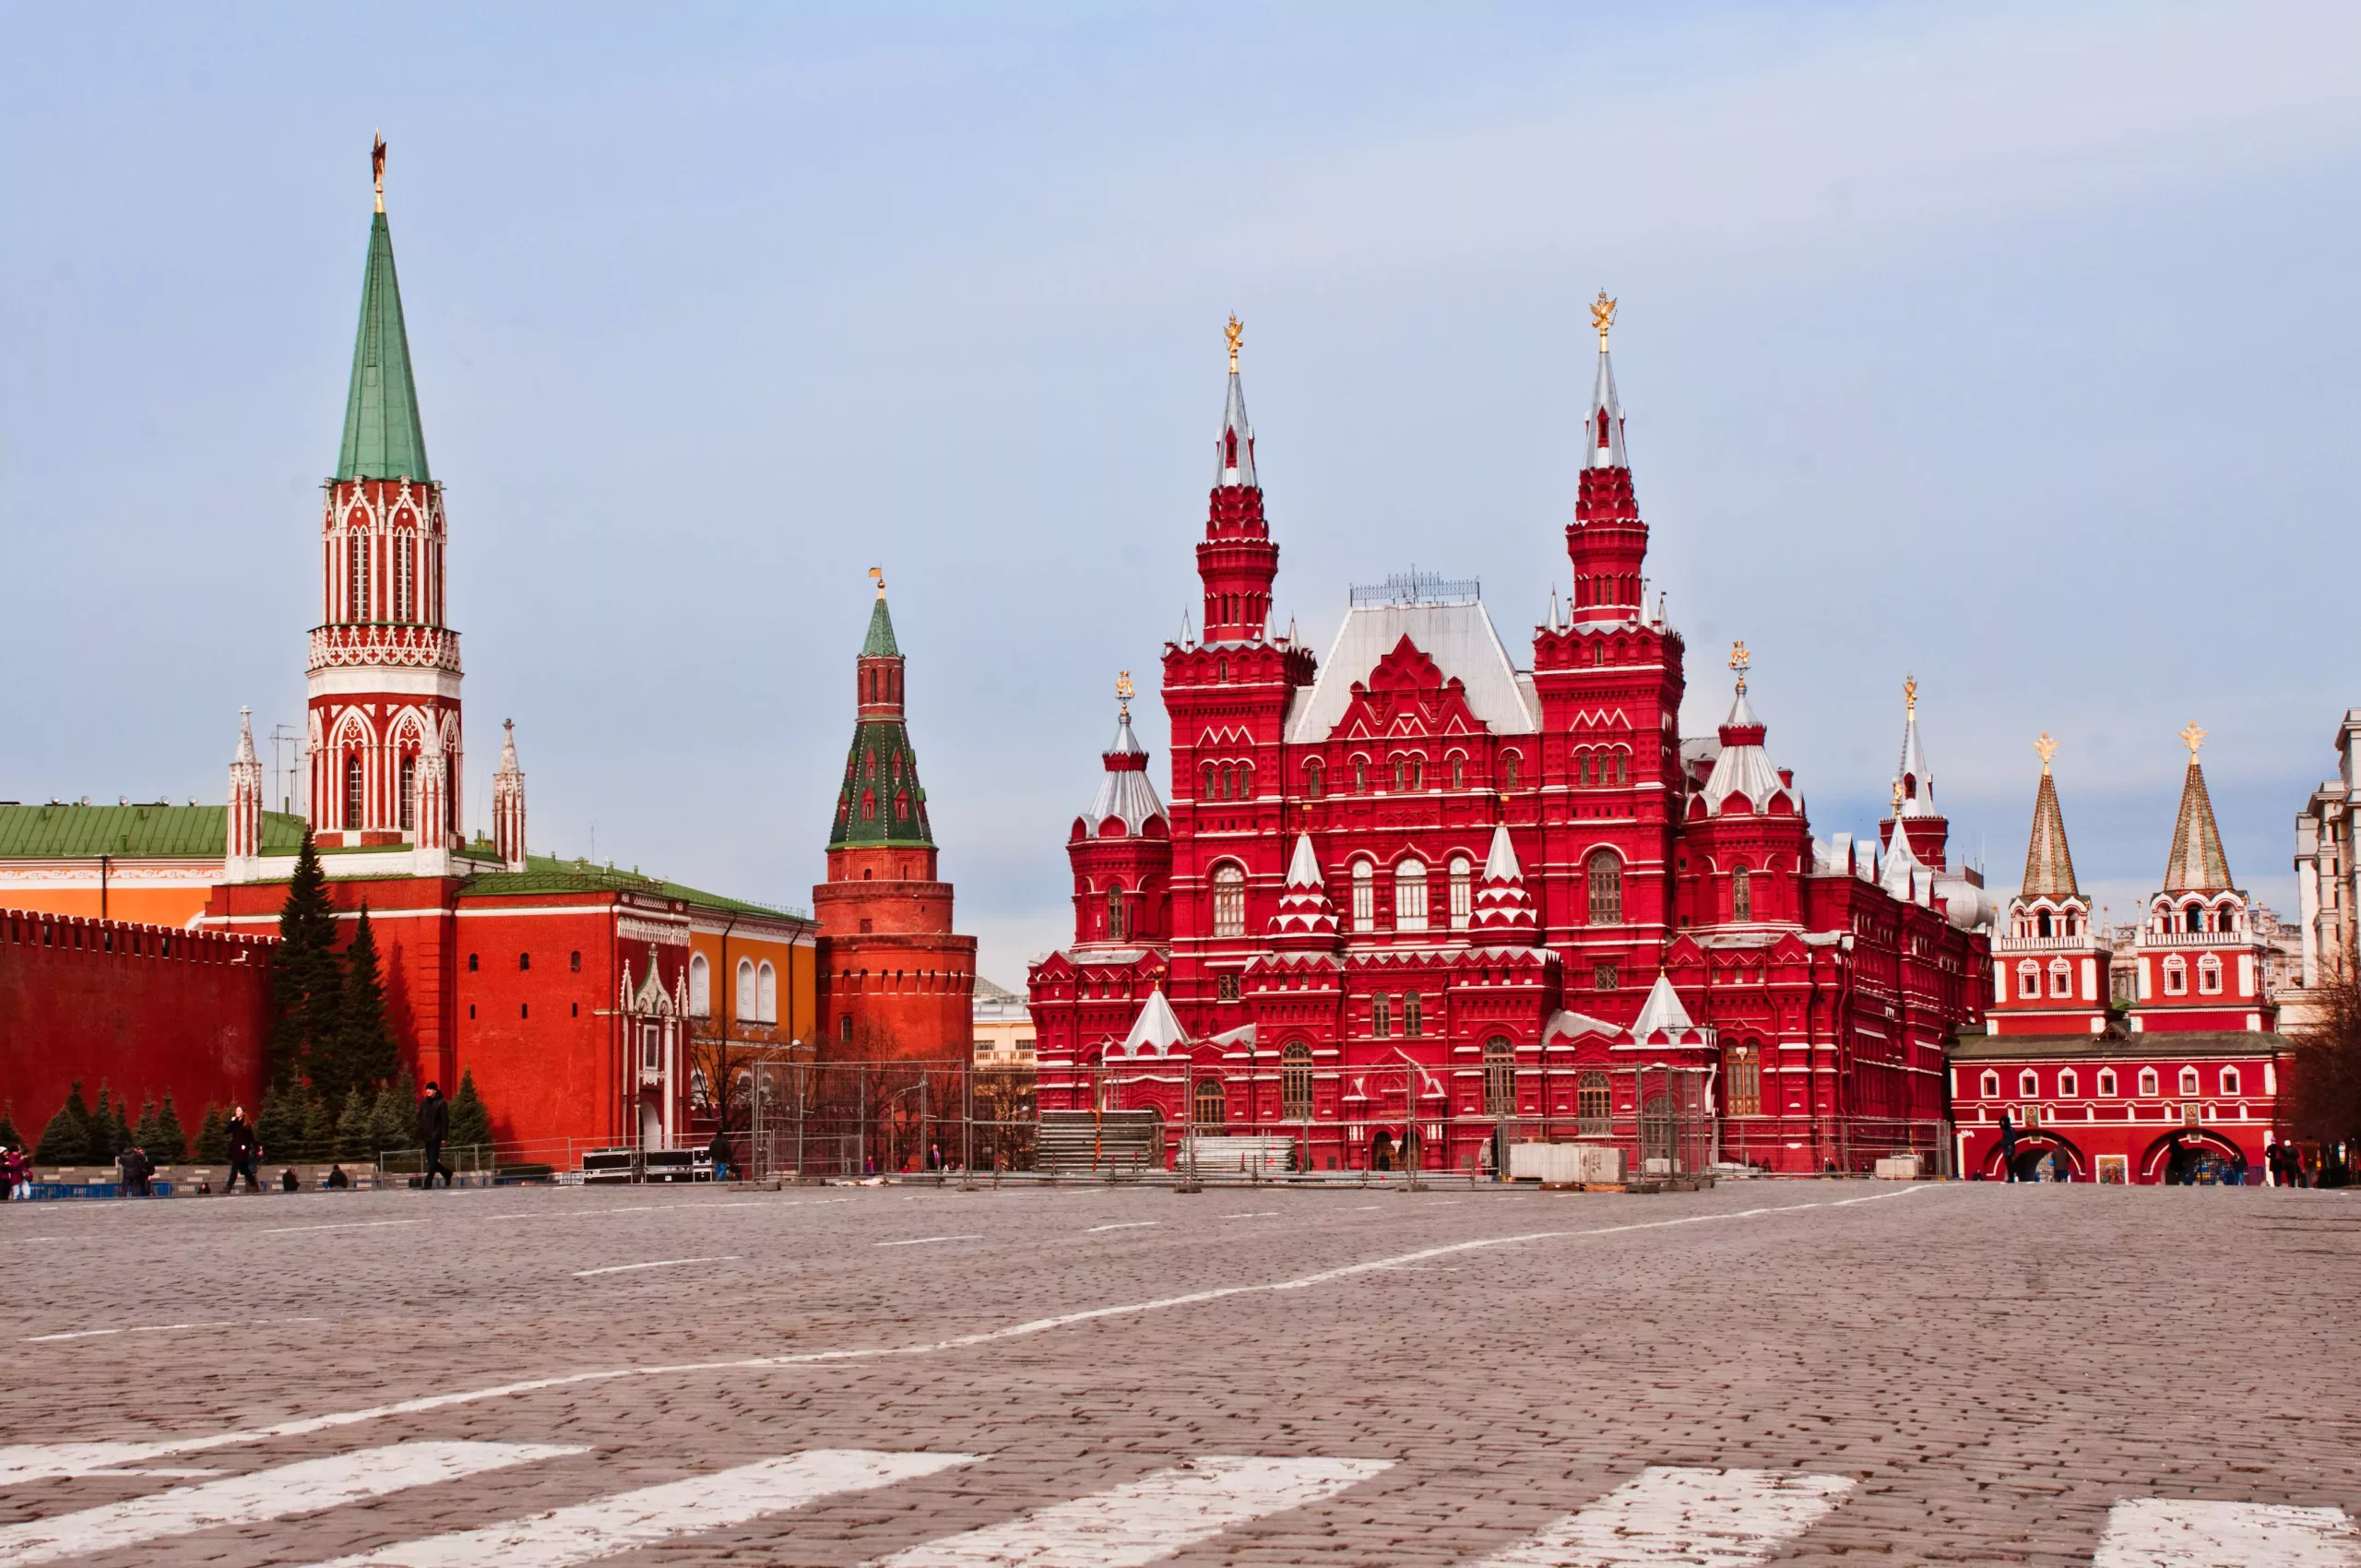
719,1151
433,1127
2008,1148
245,1152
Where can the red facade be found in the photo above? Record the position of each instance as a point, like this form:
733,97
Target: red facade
1421,873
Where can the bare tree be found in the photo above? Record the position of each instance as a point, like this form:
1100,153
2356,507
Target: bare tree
2322,1100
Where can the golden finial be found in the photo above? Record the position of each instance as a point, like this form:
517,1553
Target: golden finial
1123,687
378,168
2047,747
877,576
1236,333
2195,737
1602,315
1897,797
1910,693
1739,661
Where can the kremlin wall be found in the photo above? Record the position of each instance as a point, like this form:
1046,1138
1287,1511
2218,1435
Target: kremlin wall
1434,891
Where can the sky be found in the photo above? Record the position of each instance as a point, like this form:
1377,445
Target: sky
2006,346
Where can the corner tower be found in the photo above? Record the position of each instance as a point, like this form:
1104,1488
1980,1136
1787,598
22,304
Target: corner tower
895,980
383,669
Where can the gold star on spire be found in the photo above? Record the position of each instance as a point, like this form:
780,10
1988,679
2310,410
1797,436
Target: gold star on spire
2047,747
2194,737
1602,315
1739,661
1236,333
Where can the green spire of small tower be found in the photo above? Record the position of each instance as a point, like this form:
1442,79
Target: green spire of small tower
882,803
382,438
880,643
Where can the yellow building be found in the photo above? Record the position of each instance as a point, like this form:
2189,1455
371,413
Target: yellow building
1004,1026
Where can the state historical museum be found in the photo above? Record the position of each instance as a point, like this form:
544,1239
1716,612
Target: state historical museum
1419,895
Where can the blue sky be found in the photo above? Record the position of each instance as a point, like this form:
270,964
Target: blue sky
2009,345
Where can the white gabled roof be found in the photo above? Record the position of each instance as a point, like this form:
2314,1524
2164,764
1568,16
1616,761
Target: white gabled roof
1662,1011
1458,638
1157,1026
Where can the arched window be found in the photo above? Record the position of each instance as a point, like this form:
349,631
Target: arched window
2041,923
356,557
749,999
1401,774
1212,1110
2106,1083
1246,781
1582,767
2029,1084
2229,1080
1364,896
354,798
1114,914
1507,770
1990,1086
1606,888
700,987
2188,1080
1463,891
1361,776
1206,791
2148,1086
2069,1083
2196,918
409,793
2175,975
1622,765
1410,896
1741,895
766,994
1381,1017
2222,920
2208,975
1458,772
404,576
1230,900
1594,1106
1311,779
1499,1077
1746,1081
2028,980
1414,1016
1228,784
2061,978
1295,1082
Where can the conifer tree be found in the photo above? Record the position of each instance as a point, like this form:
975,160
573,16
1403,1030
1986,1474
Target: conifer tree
146,1133
365,1056
9,1137
352,1127
66,1139
213,1137
120,1133
390,1121
171,1146
100,1143
470,1118
279,1128
319,1129
307,979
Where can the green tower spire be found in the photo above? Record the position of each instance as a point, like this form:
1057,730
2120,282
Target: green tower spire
882,803
880,643
382,438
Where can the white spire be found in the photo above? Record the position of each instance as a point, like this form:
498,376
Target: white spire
1502,865
1234,448
1662,1013
1603,440
1157,1026
1914,781
1303,871
245,736
1901,864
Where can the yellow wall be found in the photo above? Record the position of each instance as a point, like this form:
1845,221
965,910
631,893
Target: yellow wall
172,896
793,957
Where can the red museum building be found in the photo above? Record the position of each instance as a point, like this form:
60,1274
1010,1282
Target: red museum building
2193,1062
1420,893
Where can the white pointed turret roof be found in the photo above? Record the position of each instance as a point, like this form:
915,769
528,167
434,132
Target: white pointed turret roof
1916,781
1902,865
507,748
1303,869
1743,768
1234,420
1603,445
245,737
1501,864
1304,914
1157,1026
1124,792
1662,1013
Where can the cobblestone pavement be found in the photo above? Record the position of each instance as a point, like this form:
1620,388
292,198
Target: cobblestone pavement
1945,1373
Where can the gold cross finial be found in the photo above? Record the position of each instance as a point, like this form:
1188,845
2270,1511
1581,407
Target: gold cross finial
2195,737
2047,747
1739,661
378,168
877,576
1236,333
1602,315
1910,693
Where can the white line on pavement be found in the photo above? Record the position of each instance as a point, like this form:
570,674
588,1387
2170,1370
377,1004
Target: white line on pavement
1702,1518
922,1241
304,1487
664,1263
20,1463
1126,1225
629,1520
2171,1532
144,1329
1258,1213
347,1225
1145,1519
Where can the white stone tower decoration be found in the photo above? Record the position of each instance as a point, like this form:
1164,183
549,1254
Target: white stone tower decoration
508,802
244,846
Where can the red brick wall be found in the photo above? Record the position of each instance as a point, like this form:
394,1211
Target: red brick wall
146,1010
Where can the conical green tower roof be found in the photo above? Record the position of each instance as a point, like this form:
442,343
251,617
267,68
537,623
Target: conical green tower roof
880,643
382,438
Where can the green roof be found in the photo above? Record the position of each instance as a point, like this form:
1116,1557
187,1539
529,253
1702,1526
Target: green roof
882,801
382,438
160,831
547,873
880,643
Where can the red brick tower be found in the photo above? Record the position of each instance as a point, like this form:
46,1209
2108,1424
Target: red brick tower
383,669
894,982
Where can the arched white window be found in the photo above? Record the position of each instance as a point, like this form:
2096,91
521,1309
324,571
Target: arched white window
2188,1080
766,994
1463,891
1230,900
1410,896
2028,980
2106,1083
2061,978
404,576
2229,1080
2208,975
2069,1083
2029,1084
1364,896
2148,1083
749,999
1605,887
1990,1086
700,987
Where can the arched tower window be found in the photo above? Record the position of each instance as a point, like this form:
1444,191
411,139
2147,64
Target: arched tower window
2041,923
1741,895
354,799
1606,888
409,793
1364,896
404,576
1114,914
766,994
356,561
749,999
1295,1082
700,987
1410,896
1463,891
1230,900
1312,778
1499,1077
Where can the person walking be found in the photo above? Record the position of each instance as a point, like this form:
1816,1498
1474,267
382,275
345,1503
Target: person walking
433,1127
2008,1148
245,1152
719,1151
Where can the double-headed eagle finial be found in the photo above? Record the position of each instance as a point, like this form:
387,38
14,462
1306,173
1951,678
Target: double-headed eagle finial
1124,690
2194,737
2046,748
1602,315
377,167
1910,693
1236,333
1739,661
